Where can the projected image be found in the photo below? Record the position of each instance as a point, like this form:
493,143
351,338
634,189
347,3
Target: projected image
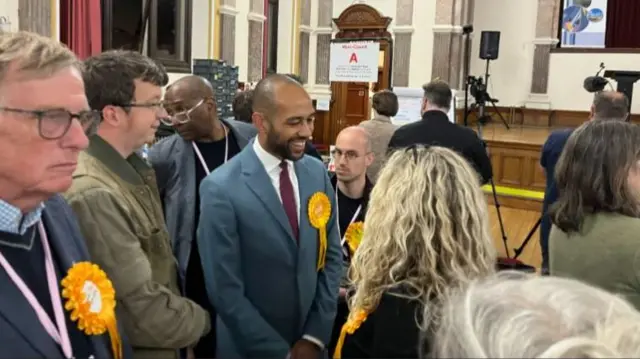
583,23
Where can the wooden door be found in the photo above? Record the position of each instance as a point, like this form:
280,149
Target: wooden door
356,104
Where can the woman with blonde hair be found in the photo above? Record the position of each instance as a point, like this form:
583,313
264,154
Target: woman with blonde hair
426,230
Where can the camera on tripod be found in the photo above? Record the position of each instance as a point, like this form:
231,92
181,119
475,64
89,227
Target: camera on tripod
478,89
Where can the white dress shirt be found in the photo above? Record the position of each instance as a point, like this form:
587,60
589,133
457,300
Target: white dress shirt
272,165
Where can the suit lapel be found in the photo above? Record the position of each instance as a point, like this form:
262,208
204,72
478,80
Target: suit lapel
17,312
67,254
260,184
308,235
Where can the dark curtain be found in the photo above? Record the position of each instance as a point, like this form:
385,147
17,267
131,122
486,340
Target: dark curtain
622,24
81,26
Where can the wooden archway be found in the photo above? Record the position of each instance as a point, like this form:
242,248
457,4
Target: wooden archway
350,100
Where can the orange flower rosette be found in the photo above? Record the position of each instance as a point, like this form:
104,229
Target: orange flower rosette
353,236
91,299
354,322
319,212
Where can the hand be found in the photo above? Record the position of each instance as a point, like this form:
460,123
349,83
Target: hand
190,353
343,292
304,349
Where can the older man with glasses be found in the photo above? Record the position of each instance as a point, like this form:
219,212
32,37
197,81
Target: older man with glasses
116,199
44,123
203,143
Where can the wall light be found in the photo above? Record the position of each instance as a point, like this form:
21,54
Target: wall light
5,24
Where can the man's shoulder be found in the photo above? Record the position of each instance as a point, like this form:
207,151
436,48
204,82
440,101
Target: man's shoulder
245,129
228,172
165,144
313,164
558,137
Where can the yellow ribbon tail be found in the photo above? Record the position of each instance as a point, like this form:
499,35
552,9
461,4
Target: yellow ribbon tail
116,342
337,354
322,247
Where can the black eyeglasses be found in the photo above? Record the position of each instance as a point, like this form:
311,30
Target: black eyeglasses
55,123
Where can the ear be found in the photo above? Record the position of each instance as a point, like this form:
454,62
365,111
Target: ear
259,121
211,105
111,115
369,158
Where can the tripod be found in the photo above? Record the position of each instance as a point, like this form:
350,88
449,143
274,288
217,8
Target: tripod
518,251
496,203
479,91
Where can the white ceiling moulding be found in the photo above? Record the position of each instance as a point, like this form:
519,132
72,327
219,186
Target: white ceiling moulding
405,29
545,41
305,28
323,30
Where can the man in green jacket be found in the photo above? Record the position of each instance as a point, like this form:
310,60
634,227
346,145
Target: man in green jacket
115,197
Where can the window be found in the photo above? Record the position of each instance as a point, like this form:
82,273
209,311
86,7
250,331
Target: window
272,37
166,24
599,24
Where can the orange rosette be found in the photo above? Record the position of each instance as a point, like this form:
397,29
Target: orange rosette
353,235
354,322
319,212
91,299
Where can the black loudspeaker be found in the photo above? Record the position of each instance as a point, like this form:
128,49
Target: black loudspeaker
489,45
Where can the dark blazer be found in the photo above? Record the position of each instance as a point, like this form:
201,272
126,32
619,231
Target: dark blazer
390,331
435,129
21,334
173,160
263,282
549,157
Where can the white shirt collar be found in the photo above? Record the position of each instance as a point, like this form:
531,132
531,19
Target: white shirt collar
13,221
269,161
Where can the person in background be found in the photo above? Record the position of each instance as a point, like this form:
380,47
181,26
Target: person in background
242,106
44,123
436,129
380,128
596,219
426,231
115,196
517,315
309,148
353,156
181,162
607,105
266,218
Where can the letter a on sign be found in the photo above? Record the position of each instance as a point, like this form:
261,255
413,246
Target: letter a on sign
353,58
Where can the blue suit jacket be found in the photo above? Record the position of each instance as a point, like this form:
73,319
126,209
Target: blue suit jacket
549,157
265,287
174,162
21,334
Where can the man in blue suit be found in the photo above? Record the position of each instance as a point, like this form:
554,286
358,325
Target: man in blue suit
44,122
607,105
273,285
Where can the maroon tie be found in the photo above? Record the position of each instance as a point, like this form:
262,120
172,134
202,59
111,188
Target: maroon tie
288,199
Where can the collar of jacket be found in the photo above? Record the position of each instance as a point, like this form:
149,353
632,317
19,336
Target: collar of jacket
436,115
368,186
382,118
131,169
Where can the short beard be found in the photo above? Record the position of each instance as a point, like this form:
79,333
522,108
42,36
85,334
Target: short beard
278,148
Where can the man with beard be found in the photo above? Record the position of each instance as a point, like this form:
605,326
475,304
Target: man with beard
182,161
268,236
353,155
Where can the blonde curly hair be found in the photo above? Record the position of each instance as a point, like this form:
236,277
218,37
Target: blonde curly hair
425,231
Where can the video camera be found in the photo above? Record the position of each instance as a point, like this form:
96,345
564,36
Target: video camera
478,89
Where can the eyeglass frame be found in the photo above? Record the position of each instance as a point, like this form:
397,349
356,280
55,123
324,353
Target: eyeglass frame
186,113
40,115
354,154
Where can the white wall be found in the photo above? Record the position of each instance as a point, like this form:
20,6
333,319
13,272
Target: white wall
510,79
510,74
9,10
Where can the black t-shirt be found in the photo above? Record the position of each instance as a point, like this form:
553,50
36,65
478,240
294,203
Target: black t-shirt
214,156
347,208
25,253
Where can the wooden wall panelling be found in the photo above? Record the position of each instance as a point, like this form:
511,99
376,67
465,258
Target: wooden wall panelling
516,165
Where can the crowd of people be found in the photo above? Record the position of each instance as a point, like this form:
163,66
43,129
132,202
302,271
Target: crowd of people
230,239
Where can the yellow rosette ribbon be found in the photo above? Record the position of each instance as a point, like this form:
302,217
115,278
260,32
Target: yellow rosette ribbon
353,235
354,322
319,212
91,300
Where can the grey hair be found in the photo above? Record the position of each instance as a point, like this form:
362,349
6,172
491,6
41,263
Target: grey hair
517,315
33,55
